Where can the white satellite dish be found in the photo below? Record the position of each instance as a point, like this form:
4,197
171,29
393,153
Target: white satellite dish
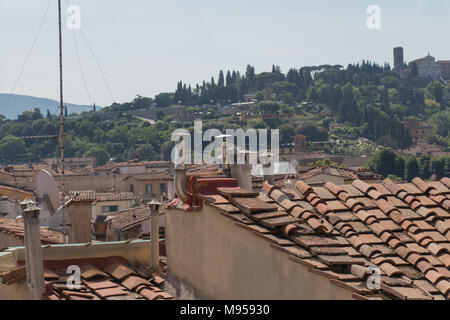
47,191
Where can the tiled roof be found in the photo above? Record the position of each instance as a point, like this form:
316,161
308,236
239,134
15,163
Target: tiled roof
16,229
110,278
25,170
151,176
203,169
110,166
90,195
347,174
20,190
339,232
125,219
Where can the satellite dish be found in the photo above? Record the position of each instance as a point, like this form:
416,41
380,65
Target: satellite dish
47,191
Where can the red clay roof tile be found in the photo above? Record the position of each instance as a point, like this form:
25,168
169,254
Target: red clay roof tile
379,218
89,272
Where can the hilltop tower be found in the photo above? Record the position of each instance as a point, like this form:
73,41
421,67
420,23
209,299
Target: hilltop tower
399,59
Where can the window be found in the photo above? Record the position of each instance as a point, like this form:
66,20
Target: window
110,209
163,188
148,188
132,188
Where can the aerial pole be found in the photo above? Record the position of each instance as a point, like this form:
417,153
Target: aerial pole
61,118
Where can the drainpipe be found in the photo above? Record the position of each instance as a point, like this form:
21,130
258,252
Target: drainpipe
180,182
34,259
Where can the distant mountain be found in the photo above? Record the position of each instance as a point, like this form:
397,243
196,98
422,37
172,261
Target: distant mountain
19,103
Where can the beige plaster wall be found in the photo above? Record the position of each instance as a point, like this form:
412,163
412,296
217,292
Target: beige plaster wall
321,179
136,251
7,241
219,260
97,207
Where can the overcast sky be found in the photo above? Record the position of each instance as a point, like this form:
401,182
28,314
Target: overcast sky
146,46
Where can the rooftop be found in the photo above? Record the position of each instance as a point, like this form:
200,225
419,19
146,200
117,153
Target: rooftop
338,232
347,174
16,229
103,277
134,163
90,195
130,218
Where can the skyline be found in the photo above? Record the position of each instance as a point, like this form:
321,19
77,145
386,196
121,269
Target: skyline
190,49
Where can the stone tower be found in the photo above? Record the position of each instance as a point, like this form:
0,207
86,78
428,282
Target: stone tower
398,59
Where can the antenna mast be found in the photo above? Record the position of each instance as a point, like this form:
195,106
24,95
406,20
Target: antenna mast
61,117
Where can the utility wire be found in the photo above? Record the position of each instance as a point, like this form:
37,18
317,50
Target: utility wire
98,65
28,56
97,62
79,63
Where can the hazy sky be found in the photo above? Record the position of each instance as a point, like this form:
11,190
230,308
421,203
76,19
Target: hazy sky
146,46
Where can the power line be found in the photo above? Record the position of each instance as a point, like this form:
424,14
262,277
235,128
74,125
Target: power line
98,65
97,62
28,56
79,63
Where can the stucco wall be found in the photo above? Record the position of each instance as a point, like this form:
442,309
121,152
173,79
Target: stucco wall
7,241
321,179
219,260
122,205
109,183
137,251
80,219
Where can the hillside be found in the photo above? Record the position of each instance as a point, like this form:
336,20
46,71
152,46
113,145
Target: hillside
20,103
349,111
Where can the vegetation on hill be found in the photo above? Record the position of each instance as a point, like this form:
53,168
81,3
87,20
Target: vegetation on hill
349,111
390,164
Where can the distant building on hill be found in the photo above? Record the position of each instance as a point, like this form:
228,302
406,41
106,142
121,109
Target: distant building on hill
418,129
423,68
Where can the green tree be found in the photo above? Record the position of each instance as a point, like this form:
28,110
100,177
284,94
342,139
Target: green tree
435,90
425,166
287,133
11,148
441,123
312,131
412,169
99,153
384,162
166,150
163,100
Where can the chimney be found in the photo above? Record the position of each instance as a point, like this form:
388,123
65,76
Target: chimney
34,259
154,234
243,172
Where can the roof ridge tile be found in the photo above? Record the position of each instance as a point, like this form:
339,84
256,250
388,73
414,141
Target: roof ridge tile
422,185
303,188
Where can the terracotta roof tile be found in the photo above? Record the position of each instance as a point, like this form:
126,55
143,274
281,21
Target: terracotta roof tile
348,225
410,188
89,272
119,271
16,230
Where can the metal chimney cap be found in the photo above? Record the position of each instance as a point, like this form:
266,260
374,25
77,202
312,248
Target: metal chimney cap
32,208
154,206
154,202
27,201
